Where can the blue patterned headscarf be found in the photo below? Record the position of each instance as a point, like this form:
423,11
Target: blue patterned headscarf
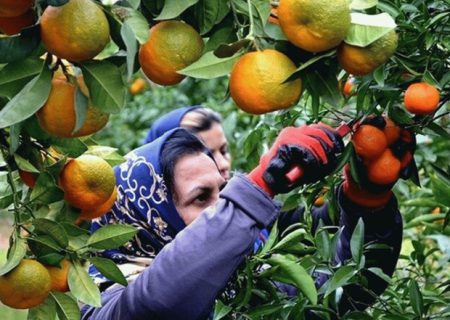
143,201
167,122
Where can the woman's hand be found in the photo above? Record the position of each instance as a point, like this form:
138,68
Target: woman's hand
311,148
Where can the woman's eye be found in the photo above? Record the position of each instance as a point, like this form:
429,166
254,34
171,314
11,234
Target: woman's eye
224,150
202,198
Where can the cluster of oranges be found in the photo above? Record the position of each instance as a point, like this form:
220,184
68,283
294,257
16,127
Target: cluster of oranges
30,282
16,15
375,147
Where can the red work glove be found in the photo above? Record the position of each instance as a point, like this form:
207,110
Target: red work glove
400,146
313,148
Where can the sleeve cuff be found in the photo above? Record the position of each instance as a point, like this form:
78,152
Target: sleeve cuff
252,200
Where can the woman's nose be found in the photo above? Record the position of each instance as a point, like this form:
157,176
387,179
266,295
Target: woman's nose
223,164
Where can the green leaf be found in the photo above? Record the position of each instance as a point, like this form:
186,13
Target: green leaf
53,229
323,242
66,307
366,29
18,47
441,191
292,238
44,311
108,154
221,310
46,191
24,164
381,274
339,279
208,13
308,63
70,147
15,75
109,269
223,33
15,255
357,241
82,286
297,276
416,297
111,236
326,85
138,25
209,66
363,4
81,106
273,235
106,87
29,100
173,8
130,42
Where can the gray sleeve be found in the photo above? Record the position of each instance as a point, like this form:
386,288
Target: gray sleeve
186,276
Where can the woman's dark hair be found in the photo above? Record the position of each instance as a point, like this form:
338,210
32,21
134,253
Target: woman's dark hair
180,143
200,119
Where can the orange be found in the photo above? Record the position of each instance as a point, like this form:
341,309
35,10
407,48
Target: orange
137,86
171,46
314,25
26,286
57,117
101,209
348,87
257,82
421,98
13,25
391,131
360,61
58,276
88,182
369,142
385,169
29,178
76,31
14,8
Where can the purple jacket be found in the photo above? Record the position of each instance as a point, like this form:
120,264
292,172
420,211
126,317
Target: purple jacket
186,276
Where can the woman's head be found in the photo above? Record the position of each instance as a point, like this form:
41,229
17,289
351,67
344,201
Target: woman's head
204,123
207,125
163,186
191,175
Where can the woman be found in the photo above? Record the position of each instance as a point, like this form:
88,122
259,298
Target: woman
205,124
194,236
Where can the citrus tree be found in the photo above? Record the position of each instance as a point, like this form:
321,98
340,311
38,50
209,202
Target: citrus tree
73,68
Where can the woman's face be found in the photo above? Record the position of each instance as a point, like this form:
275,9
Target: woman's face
197,184
214,139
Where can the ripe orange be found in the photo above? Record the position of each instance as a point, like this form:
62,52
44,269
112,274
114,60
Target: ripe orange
57,117
384,169
26,286
360,61
101,209
58,276
76,31
349,87
391,131
13,25
314,25
88,182
137,86
14,8
171,46
29,178
369,142
257,82
421,98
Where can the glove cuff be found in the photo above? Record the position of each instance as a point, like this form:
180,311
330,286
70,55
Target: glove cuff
256,176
